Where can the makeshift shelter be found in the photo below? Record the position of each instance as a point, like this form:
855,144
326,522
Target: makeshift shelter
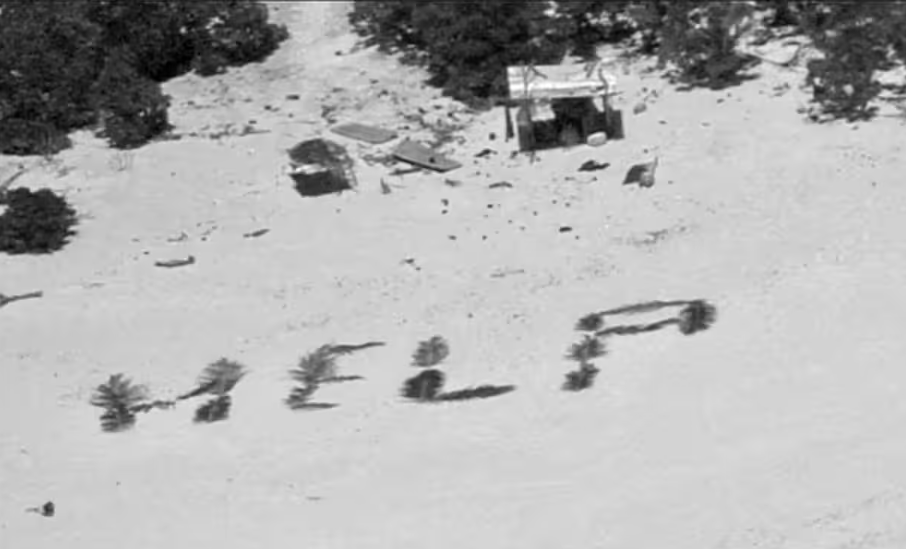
319,166
566,94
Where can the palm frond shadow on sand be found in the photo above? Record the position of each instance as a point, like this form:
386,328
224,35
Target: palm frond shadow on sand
471,393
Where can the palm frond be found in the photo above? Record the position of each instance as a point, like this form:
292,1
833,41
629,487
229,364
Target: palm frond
117,419
697,316
586,350
119,392
591,322
215,409
218,378
431,352
299,397
580,379
425,386
316,366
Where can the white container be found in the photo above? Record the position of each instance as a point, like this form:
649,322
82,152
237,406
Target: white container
597,139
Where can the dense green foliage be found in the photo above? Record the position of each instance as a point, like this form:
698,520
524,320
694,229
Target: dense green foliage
67,65
467,45
35,222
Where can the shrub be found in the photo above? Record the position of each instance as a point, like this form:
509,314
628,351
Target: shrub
169,37
118,397
30,137
49,56
239,33
52,56
388,25
856,40
134,107
700,39
466,46
35,221
425,386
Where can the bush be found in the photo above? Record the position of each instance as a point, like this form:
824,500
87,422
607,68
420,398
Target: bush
29,137
466,46
240,34
49,56
701,39
856,41
134,107
52,56
35,222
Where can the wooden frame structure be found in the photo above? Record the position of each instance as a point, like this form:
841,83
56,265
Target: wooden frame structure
529,84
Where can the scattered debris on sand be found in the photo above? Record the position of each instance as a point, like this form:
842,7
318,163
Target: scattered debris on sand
171,263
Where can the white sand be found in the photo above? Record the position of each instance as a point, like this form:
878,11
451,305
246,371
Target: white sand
781,427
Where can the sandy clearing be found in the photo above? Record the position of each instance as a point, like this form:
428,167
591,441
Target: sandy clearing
777,428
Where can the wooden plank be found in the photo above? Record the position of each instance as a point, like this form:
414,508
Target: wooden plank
420,155
554,81
369,134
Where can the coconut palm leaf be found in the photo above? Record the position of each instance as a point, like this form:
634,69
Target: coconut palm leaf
117,419
215,409
119,392
316,366
591,322
580,379
298,397
425,386
586,350
633,329
697,316
218,378
431,352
